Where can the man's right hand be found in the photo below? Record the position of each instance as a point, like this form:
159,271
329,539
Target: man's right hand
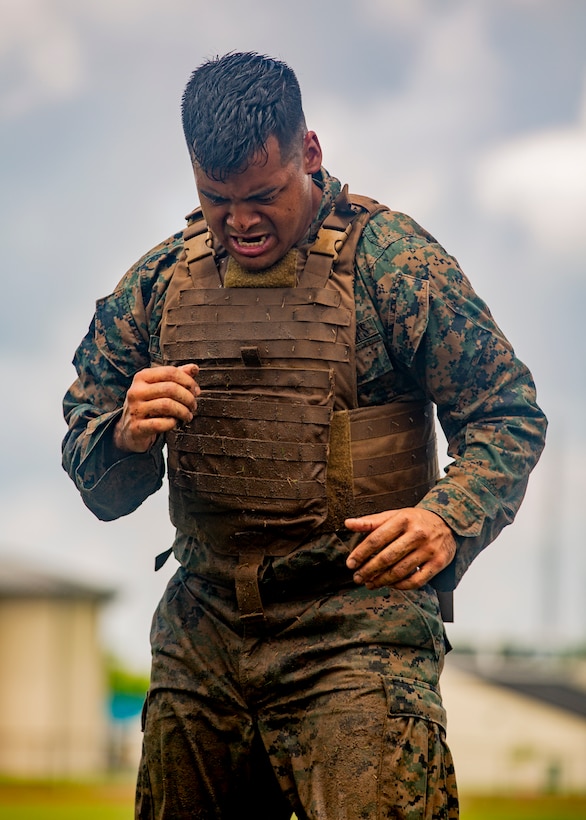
158,399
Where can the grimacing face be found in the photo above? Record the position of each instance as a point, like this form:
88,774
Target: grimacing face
258,215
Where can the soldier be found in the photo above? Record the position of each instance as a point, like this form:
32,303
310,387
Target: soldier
288,348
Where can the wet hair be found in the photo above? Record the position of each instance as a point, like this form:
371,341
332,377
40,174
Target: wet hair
233,104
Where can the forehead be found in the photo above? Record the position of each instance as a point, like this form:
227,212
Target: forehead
266,169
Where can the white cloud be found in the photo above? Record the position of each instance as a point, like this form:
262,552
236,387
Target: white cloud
539,181
377,153
452,55
45,46
40,56
410,148
404,14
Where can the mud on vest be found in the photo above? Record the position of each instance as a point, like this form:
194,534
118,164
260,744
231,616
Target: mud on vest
279,449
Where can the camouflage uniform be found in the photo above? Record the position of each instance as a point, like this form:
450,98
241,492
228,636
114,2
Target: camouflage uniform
331,706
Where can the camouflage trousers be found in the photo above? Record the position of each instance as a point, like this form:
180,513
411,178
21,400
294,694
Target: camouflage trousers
330,708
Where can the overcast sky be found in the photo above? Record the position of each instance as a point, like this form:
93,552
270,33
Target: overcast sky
470,115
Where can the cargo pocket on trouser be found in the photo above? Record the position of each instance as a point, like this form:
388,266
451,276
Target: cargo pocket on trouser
416,778
144,806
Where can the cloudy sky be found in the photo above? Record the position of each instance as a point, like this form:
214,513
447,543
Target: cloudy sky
468,114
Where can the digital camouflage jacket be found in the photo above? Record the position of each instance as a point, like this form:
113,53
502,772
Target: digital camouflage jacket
421,332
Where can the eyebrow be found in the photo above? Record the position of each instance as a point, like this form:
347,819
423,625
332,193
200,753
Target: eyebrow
256,195
210,195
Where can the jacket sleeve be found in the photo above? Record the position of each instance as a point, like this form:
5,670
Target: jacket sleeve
443,336
117,346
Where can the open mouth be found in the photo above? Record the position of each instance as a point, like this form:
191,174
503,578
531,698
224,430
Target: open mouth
251,245
252,242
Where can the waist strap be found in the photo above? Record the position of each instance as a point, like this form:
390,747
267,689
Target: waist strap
247,590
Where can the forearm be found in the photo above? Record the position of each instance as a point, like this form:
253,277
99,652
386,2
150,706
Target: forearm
111,483
485,484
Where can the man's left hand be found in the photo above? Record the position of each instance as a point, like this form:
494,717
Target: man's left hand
404,548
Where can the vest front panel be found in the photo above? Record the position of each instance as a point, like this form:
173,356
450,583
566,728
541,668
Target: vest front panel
278,449
252,465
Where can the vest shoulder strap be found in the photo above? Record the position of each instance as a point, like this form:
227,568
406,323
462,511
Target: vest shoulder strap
338,236
199,251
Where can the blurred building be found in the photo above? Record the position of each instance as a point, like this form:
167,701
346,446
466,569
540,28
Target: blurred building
53,716
516,724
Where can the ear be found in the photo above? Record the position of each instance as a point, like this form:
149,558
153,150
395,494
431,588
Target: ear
312,153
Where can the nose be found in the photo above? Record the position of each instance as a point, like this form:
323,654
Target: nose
242,218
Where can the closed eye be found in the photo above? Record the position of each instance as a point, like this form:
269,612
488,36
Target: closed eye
214,200
264,197
264,200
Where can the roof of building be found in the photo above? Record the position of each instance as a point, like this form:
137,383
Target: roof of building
543,679
25,579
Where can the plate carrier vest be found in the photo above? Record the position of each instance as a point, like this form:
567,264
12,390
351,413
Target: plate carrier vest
279,450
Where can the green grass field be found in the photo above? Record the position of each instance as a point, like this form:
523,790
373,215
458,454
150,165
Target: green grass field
523,808
113,801
66,801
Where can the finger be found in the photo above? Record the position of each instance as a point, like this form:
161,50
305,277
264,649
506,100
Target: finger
418,578
191,370
415,579
152,427
180,407
183,375
144,396
383,528
367,523
396,560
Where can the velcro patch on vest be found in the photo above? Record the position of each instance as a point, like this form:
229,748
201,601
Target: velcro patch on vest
283,274
339,483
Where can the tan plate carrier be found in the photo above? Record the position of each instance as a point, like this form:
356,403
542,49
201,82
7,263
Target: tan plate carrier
279,450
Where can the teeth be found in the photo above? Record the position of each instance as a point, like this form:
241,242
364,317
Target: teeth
251,243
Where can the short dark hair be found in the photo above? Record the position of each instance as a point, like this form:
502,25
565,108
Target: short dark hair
233,104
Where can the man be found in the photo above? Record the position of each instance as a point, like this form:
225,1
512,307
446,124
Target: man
286,347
